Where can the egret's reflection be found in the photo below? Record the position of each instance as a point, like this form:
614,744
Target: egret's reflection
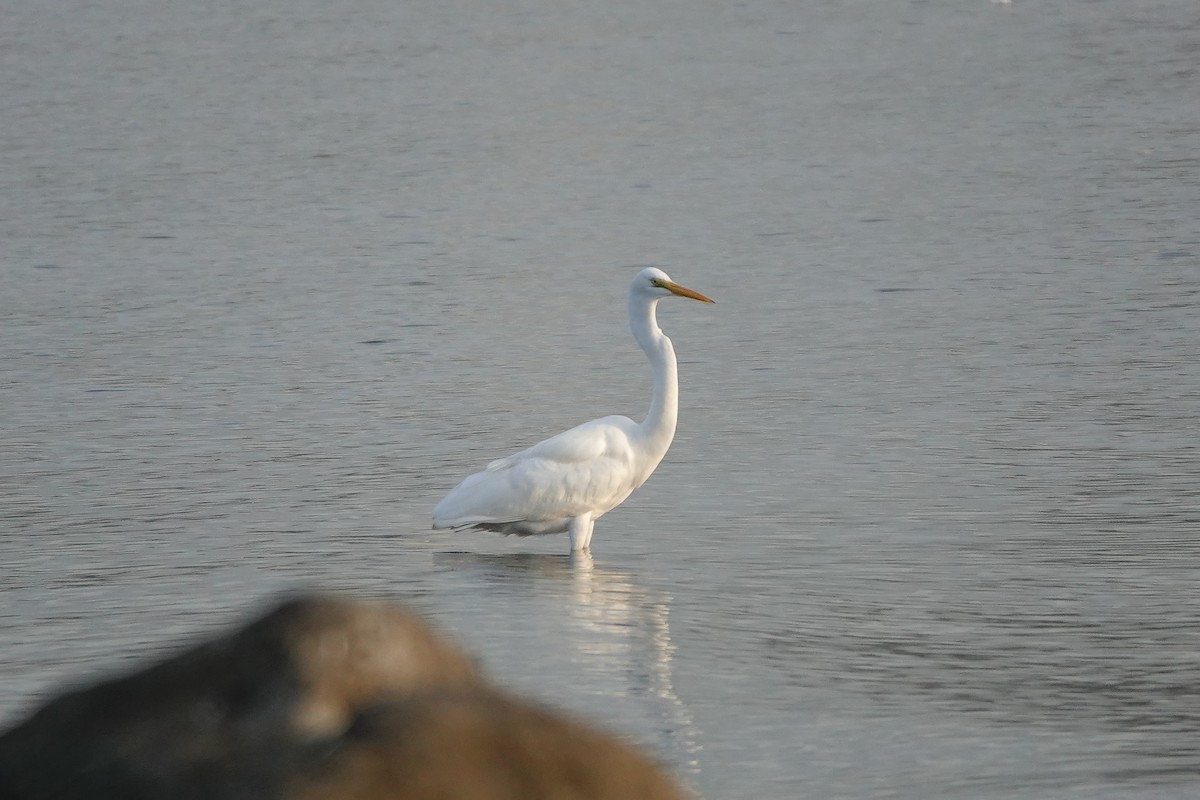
621,638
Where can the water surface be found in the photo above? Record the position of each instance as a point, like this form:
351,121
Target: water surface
276,278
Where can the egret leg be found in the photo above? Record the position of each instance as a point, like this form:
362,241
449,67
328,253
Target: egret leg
580,530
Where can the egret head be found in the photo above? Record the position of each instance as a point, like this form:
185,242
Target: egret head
656,283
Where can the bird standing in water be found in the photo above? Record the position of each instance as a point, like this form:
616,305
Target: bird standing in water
568,481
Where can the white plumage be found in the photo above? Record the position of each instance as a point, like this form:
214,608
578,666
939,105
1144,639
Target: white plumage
566,482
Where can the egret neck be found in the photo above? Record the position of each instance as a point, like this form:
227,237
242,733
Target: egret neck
658,428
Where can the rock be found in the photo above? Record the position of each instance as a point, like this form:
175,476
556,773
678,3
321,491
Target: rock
476,745
319,699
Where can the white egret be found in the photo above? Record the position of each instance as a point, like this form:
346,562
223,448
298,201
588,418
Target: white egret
568,481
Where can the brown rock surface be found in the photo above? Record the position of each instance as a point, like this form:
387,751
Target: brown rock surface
320,698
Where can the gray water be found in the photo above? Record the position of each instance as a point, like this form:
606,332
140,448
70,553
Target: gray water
277,275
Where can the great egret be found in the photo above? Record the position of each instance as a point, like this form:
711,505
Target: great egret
566,482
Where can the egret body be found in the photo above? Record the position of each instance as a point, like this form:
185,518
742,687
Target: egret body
568,481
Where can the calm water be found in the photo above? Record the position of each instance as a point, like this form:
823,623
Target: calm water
276,277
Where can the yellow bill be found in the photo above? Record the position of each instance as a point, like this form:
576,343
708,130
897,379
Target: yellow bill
683,291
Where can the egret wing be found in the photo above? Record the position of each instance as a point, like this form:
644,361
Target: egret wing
586,469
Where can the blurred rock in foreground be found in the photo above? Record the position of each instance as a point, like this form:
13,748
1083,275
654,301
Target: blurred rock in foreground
320,699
